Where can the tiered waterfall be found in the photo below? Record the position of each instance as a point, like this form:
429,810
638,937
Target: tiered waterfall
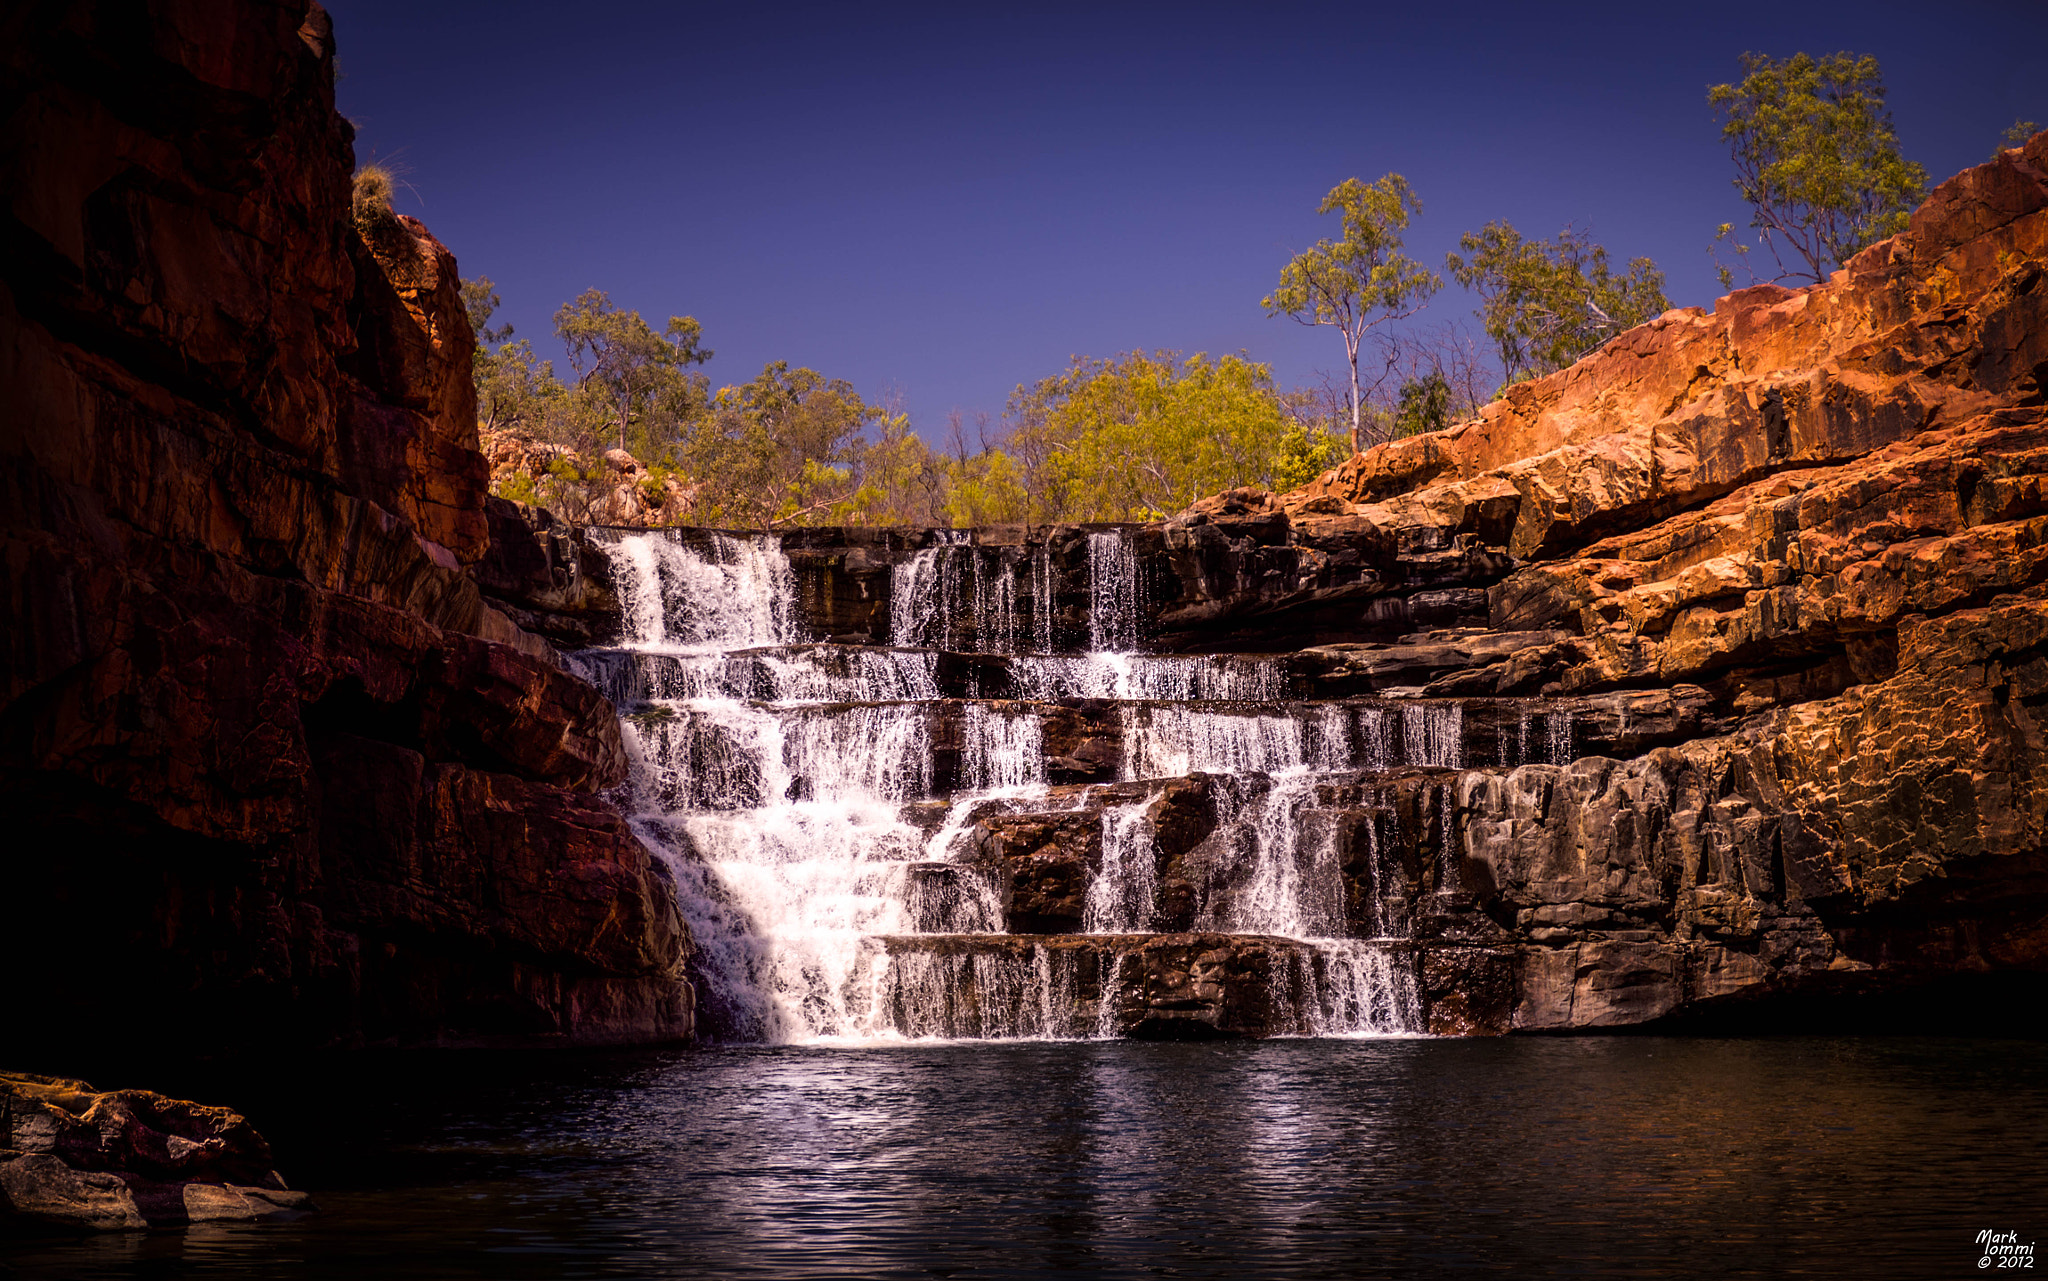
1010,820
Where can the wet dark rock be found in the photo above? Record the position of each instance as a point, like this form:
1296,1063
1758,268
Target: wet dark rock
546,576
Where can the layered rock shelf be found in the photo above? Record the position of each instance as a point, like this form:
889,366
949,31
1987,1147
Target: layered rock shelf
75,1158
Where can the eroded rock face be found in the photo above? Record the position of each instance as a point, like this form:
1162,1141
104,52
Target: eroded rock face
278,770
1925,330
74,1157
1820,510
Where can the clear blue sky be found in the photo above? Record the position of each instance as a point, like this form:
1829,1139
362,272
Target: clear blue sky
949,200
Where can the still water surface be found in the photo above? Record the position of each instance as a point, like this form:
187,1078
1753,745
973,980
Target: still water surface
1622,1156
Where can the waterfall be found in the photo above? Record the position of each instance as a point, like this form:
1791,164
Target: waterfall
735,594
1355,989
1115,604
1446,842
1149,677
840,885
999,751
957,596
924,595
1434,734
1560,736
1121,894
1290,884
1164,740
1042,638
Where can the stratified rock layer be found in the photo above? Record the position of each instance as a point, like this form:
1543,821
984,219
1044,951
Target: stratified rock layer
1824,508
276,770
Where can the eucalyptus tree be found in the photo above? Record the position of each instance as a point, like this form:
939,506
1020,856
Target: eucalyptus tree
1361,279
1816,158
1545,303
623,363
1141,436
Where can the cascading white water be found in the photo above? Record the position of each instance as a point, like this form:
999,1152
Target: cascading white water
1115,602
1560,737
1042,637
774,774
1434,734
924,595
1154,677
1290,883
957,596
1121,894
734,593
1447,843
1000,751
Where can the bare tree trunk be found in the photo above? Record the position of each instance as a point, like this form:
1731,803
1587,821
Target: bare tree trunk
1351,342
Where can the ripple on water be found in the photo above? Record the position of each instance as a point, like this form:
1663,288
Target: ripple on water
1627,1156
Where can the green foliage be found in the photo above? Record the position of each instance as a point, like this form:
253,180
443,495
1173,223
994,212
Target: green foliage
1304,452
780,448
1816,158
480,300
986,488
1545,303
370,198
1361,279
2017,134
639,375
1424,405
520,488
1141,436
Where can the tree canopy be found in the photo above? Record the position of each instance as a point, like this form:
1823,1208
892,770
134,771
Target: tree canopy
1545,303
1816,158
1140,436
624,365
1361,279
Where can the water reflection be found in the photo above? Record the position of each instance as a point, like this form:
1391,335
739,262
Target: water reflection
1598,1157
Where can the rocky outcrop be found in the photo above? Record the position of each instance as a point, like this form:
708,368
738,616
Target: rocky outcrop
602,487
72,1157
1822,509
278,770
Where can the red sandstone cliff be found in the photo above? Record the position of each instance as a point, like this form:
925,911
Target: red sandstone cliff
275,770
1823,515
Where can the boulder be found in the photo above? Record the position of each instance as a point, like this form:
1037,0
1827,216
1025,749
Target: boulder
72,1157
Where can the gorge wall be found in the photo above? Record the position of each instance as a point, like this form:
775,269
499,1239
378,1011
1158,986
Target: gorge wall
1706,672
277,772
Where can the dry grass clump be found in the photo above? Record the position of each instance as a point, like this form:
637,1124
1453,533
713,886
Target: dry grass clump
370,199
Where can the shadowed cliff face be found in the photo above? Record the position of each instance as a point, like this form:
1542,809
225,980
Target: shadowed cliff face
276,771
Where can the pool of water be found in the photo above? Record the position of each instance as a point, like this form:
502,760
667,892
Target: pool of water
1609,1156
